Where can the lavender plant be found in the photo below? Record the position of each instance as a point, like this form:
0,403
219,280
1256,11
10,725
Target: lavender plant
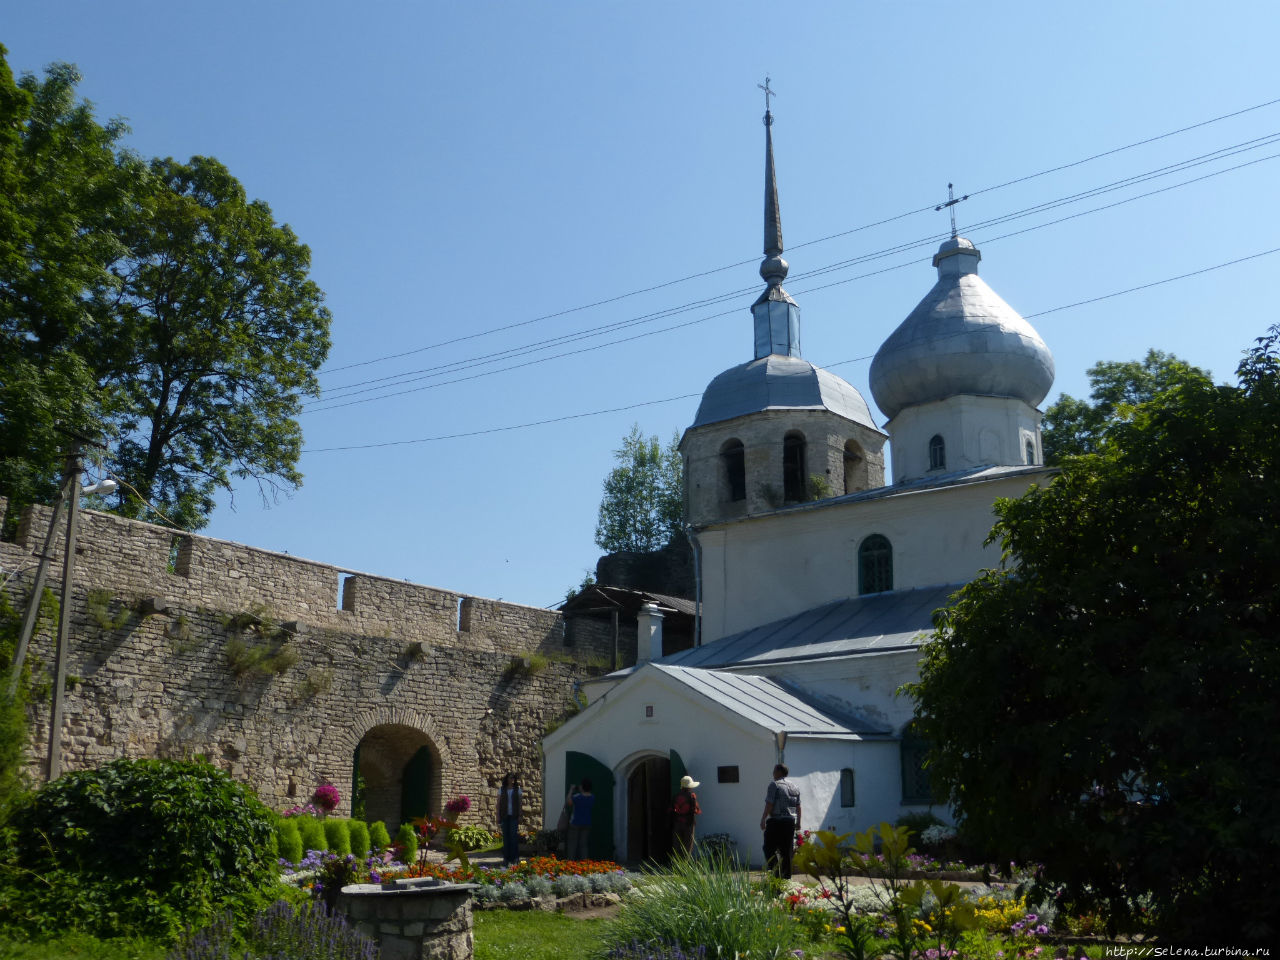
282,932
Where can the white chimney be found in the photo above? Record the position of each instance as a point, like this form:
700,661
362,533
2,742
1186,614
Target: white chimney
648,633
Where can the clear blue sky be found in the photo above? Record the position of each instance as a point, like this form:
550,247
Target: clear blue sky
461,167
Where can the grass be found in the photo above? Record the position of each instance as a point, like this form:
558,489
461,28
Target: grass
534,935
80,946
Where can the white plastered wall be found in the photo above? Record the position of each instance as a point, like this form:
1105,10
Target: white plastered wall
977,431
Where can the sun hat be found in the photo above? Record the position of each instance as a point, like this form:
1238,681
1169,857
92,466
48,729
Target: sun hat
688,783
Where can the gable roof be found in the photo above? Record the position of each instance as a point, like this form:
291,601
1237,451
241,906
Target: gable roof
770,704
877,623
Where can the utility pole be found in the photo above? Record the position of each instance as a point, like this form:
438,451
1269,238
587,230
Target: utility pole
75,467
37,591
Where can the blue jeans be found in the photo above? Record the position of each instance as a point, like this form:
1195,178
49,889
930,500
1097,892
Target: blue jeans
510,840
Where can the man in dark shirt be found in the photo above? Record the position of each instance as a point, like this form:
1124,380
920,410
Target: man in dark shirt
780,821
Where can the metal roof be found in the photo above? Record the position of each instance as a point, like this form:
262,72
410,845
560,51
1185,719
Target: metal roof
870,624
778,382
770,704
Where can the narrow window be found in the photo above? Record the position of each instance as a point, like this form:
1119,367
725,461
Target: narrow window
793,474
875,565
733,458
1031,452
937,452
464,614
915,778
180,556
854,467
846,787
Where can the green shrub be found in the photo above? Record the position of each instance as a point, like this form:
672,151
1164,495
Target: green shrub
704,903
136,847
407,840
337,835
289,840
379,839
474,838
312,831
359,833
918,822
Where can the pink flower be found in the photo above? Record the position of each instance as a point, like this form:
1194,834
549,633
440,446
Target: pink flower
326,797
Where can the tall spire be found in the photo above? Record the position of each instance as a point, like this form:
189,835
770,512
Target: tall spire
777,317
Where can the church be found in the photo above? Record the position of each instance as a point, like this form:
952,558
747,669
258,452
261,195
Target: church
816,579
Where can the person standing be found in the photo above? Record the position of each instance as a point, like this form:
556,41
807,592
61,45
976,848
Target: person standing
684,814
510,798
580,820
780,821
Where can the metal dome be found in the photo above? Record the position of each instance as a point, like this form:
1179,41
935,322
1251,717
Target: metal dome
962,338
779,382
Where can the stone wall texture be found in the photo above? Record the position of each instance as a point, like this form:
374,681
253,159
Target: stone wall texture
276,668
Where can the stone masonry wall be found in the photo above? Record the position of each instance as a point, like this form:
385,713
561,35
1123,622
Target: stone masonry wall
337,655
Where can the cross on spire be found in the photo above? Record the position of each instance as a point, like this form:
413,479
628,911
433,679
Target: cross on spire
950,205
768,117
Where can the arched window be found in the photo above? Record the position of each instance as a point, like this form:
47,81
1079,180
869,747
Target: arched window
793,474
846,787
854,467
733,458
1031,451
875,565
915,778
937,452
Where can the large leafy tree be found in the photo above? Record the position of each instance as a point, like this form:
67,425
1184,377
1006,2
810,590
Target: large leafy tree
1105,702
152,305
643,503
217,334
65,193
1073,426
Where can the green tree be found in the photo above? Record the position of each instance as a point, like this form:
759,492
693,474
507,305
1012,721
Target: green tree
1104,703
1073,427
65,193
152,305
217,334
643,502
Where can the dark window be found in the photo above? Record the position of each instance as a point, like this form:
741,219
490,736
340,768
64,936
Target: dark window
875,565
464,614
1031,452
846,787
853,467
726,774
735,469
793,467
180,556
915,778
937,452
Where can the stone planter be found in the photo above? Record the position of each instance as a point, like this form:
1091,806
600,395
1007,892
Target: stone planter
419,919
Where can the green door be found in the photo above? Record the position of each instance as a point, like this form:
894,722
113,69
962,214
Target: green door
415,786
580,766
677,772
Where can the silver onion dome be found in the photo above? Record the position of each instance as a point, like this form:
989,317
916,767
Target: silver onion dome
779,382
962,339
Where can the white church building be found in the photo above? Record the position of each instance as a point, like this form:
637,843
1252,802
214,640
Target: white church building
817,580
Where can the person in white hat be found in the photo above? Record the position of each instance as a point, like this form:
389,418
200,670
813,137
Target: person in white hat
684,815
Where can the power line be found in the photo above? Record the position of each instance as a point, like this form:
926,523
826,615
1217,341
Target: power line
459,366
806,243
687,396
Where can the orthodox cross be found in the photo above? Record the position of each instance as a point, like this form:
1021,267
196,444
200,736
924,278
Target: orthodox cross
950,205
767,94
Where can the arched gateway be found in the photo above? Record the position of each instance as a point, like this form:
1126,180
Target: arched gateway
398,758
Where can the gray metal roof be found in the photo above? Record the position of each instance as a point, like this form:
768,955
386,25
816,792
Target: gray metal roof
869,624
778,382
770,704
961,339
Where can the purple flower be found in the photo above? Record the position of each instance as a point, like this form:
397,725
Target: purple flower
327,797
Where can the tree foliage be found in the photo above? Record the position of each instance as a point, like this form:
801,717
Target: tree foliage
643,503
1104,703
1073,427
150,304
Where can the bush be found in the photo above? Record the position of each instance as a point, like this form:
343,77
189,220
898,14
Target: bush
136,847
282,932
918,822
338,836
407,841
379,839
704,903
513,892
312,832
569,883
474,838
288,840
359,834
538,885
